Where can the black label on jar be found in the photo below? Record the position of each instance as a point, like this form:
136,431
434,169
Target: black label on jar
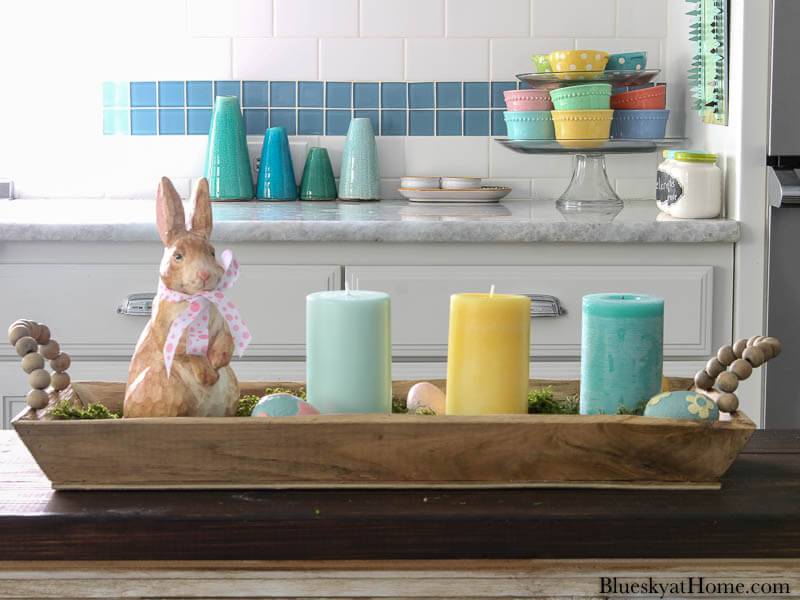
668,189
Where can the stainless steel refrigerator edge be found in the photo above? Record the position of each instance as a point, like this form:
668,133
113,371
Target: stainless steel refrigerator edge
782,406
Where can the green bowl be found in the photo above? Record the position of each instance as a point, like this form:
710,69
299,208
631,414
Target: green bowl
588,96
542,62
529,125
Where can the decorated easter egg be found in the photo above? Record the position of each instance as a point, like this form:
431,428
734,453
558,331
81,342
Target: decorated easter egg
282,405
682,405
425,395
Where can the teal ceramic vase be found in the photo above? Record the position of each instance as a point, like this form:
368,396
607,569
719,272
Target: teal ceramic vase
318,182
227,162
276,174
360,177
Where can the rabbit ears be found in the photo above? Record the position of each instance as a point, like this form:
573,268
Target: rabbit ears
170,217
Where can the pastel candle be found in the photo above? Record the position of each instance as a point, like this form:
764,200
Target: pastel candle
488,354
349,352
621,351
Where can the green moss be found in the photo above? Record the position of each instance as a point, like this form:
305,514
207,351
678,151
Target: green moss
92,411
541,401
247,402
637,410
399,406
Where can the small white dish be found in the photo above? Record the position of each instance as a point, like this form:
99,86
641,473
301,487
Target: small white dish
460,183
483,194
420,182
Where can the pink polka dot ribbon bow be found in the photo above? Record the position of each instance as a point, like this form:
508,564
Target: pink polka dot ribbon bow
194,320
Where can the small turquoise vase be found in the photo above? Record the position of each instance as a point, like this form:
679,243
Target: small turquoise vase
276,174
360,176
227,162
318,182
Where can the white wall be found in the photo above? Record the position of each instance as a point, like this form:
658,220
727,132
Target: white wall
55,54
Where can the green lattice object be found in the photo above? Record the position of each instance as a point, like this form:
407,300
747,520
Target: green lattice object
708,73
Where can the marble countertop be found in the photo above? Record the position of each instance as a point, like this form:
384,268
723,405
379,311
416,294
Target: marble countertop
386,221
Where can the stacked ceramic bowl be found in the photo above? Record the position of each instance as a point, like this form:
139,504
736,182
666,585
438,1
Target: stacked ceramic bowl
639,112
582,114
528,116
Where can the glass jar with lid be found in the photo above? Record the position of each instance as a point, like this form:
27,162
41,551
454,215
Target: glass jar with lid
689,184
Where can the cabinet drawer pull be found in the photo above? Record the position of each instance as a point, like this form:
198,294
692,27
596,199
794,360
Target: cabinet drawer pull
137,305
543,305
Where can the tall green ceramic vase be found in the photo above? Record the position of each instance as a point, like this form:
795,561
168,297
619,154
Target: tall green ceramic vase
360,176
318,182
227,162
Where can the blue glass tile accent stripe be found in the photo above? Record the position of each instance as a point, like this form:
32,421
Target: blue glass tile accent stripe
338,94
452,108
170,93
254,93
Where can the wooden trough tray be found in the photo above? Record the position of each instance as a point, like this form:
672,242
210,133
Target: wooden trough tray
378,451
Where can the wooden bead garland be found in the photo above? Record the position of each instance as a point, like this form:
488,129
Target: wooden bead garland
27,337
741,358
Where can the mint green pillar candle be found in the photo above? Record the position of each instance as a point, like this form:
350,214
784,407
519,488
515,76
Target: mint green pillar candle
349,352
622,345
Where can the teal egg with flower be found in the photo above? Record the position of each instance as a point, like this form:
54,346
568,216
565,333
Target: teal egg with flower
682,405
282,405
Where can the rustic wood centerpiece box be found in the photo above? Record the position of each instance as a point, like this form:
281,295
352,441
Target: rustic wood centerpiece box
399,450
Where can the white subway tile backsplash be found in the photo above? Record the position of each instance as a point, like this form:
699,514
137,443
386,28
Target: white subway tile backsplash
305,18
520,188
242,18
391,155
508,163
479,18
389,189
467,156
636,188
361,59
549,188
272,58
652,46
642,18
510,57
402,18
628,165
447,59
574,18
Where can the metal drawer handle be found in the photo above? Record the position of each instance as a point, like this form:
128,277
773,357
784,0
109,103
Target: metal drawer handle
137,305
543,305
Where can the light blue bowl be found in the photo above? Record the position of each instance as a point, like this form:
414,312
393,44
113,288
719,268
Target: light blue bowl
529,125
627,61
635,124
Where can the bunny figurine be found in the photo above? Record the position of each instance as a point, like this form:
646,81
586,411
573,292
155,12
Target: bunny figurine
180,367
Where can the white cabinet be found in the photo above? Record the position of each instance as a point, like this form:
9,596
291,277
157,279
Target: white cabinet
421,301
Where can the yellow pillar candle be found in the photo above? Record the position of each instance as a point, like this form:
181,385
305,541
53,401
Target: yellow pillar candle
488,354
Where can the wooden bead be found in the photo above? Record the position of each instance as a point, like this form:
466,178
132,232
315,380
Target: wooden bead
60,363
741,368
25,345
739,346
18,332
36,329
766,349
752,341
727,381
32,361
703,380
726,356
50,350
775,343
38,399
714,367
44,334
39,379
728,403
17,323
754,356
59,381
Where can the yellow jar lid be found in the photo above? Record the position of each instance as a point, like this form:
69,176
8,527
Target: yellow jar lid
690,156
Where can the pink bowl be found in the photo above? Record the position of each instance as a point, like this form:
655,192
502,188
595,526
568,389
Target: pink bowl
518,100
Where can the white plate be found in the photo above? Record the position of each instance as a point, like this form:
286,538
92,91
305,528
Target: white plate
483,194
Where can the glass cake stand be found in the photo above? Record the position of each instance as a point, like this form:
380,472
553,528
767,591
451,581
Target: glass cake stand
589,189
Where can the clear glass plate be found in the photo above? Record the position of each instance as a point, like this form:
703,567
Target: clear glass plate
559,79
610,146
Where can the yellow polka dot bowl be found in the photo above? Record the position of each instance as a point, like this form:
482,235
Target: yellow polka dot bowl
682,405
578,65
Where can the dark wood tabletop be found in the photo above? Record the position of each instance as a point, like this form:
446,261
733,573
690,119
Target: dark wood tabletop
756,514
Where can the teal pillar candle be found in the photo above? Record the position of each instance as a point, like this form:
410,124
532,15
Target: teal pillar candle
622,345
349,352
